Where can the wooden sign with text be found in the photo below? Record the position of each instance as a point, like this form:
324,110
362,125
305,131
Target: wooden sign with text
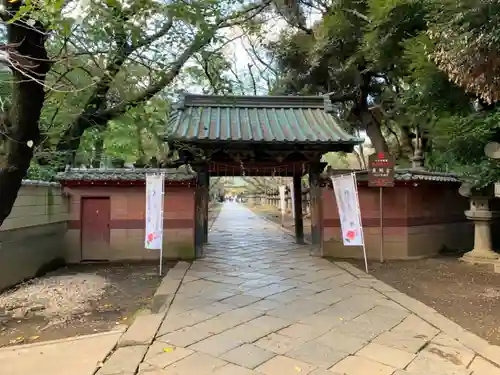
381,170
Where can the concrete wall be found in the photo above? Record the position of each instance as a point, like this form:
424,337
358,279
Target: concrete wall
419,221
127,223
32,237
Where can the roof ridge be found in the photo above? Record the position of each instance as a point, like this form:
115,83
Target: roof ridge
254,101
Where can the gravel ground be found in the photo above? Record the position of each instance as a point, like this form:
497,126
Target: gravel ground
76,300
57,298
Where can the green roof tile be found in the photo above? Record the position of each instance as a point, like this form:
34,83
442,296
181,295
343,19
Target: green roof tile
268,119
123,174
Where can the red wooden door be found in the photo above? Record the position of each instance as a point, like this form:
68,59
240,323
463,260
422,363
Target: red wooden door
96,214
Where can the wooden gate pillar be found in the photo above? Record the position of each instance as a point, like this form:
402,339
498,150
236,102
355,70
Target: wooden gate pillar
206,199
201,208
315,170
297,197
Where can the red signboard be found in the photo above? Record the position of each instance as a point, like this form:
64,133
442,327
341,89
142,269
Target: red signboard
381,170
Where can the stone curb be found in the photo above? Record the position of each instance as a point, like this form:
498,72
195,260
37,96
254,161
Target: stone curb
134,343
431,316
124,361
61,341
163,296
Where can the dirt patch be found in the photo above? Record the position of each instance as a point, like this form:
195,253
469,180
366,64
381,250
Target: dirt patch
467,294
76,300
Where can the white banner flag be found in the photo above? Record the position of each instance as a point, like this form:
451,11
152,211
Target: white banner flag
282,199
154,212
349,212
292,195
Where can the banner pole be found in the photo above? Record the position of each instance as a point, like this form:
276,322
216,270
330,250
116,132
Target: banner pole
162,221
381,203
360,220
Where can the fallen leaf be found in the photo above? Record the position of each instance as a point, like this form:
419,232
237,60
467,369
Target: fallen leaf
33,338
168,349
20,338
298,369
124,318
341,318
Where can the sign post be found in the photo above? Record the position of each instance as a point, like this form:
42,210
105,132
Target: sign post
381,175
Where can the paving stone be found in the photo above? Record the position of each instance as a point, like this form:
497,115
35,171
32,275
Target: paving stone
189,318
446,347
380,322
281,365
321,320
321,371
142,331
354,365
269,290
216,308
328,296
186,336
196,363
229,320
430,363
416,327
492,354
480,366
303,331
217,344
341,342
247,355
388,356
362,330
278,344
123,361
317,353
401,340
232,369
297,310
265,305
347,309
161,355
240,300
291,295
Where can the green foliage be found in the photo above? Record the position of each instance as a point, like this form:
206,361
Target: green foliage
41,173
467,40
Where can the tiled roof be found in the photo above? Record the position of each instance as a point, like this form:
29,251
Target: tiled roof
273,119
407,175
118,174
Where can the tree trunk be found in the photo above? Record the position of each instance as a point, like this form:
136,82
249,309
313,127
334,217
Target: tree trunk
27,101
71,138
373,131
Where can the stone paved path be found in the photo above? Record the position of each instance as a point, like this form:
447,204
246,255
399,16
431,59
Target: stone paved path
258,304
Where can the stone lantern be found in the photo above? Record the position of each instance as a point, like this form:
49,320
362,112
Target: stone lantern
481,215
